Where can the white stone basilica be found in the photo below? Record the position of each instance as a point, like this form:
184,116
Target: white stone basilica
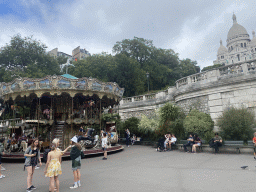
240,48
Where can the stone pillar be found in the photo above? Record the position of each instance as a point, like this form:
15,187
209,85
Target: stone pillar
189,80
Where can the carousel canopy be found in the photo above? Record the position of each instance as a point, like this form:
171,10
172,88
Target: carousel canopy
58,85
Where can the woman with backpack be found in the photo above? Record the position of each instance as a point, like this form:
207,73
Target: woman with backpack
53,166
32,156
75,155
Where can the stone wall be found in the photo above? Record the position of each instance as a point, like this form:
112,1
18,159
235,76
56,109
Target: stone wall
211,92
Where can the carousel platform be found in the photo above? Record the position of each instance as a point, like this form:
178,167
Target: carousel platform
19,156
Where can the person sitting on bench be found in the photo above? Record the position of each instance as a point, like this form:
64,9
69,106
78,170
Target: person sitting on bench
189,144
217,142
198,143
172,142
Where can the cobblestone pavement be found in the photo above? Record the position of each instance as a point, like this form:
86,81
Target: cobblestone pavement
141,168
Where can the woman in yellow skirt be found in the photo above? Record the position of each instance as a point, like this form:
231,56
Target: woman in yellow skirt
53,166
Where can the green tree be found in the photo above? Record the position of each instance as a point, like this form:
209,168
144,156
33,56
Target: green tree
137,48
188,67
148,126
132,124
26,57
212,67
200,123
236,124
171,120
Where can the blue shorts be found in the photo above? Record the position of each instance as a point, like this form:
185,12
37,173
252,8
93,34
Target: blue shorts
104,149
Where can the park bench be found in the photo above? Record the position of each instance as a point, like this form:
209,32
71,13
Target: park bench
234,144
182,142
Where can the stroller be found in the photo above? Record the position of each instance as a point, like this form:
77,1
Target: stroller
160,145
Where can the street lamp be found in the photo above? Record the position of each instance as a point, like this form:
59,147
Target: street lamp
148,80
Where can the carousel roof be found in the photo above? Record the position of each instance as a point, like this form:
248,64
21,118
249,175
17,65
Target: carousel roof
69,76
60,84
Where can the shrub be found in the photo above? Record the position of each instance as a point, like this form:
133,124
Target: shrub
200,123
236,124
148,126
171,120
132,124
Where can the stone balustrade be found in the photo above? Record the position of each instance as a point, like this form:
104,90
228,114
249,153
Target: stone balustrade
214,74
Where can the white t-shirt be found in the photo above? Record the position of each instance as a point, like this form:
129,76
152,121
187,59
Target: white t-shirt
104,142
173,140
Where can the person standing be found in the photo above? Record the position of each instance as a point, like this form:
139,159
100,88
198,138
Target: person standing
75,156
254,142
127,135
32,156
104,144
1,153
53,166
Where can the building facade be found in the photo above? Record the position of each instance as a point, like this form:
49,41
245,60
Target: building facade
239,48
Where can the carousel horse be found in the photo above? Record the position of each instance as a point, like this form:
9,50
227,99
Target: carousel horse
88,141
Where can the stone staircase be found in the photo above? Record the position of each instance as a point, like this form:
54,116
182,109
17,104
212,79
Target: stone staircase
58,133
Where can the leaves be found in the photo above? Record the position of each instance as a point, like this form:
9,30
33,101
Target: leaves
236,123
199,122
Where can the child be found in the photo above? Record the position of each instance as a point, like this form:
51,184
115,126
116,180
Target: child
75,156
53,166
104,142
1,153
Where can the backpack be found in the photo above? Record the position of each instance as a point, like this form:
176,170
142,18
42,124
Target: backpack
45,155
28,153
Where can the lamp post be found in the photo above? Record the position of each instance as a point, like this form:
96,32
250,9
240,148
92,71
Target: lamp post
148,80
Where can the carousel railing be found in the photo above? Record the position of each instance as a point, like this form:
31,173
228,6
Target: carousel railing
11,122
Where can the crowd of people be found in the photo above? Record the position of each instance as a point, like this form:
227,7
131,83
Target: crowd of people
53,159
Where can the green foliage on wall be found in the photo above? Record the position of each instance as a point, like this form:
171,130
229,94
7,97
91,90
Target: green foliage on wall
199,123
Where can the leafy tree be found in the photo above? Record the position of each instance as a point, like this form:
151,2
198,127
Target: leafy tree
212,67
137,48
26,57
188,67
171,120
236,124
200,123
132,124
147,126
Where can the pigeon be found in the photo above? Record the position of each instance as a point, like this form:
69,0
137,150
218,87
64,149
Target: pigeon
243,167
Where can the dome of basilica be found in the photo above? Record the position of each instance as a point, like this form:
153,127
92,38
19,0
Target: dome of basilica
236,29
222,49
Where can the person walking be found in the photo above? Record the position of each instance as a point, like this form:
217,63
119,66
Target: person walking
104,144
1,153
127,135
32,156
53,166
75,155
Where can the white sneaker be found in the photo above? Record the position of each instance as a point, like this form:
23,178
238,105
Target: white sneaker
3,169
74,187
37,167
79,184
2,176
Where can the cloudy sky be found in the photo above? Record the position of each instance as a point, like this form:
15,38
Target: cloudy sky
192,28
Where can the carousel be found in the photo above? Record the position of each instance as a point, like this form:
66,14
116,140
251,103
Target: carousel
56,107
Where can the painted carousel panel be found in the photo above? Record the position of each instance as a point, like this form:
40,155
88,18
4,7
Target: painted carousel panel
45,84
64,84
81,84
29,85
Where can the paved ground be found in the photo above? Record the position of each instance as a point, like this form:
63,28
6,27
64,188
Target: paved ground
141,168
